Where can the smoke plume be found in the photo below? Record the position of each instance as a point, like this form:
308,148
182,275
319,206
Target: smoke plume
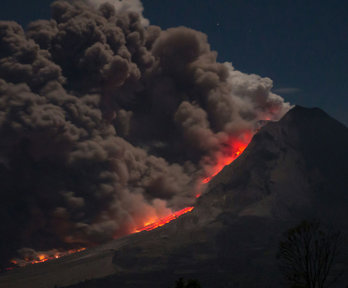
106,121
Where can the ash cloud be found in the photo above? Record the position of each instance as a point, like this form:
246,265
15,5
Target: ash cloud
106,121
122,6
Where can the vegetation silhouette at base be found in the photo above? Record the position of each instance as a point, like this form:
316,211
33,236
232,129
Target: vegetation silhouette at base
308,254
190,283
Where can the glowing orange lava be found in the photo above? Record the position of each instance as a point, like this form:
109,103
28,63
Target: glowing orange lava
226,160
162,221
233,150
43,257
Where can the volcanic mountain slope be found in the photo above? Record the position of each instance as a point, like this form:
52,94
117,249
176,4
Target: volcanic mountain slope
293,169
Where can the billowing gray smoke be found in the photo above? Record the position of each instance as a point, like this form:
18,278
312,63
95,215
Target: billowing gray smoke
106,121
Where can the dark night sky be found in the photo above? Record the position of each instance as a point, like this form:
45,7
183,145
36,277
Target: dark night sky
301,44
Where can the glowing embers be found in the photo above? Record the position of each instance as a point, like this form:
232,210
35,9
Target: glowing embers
40,257
150,225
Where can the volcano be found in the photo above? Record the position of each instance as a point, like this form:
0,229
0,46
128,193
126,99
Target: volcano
292,170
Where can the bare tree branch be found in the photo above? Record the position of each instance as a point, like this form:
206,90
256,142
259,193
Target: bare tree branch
308,254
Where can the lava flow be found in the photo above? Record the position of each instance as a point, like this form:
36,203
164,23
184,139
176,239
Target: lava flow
162,221
226,160
235,149
43,257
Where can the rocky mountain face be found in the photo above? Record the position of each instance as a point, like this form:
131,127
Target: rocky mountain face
292,170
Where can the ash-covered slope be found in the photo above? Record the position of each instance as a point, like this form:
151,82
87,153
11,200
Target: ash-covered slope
293,169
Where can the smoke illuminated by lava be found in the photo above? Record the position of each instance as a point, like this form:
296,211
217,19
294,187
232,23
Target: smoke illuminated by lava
235,149
224,161
32,257
227,156
153,224
107,124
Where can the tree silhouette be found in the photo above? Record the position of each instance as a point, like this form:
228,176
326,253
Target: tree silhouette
308,254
